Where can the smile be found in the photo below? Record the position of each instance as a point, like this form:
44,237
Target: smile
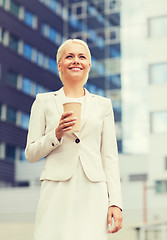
75,68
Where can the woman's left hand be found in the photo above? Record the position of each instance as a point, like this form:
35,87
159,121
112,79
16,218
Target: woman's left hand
114,214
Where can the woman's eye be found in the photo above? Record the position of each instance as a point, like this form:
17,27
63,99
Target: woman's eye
69,56
82,57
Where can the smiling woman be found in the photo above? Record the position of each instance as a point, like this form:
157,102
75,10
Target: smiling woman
81,53
80,190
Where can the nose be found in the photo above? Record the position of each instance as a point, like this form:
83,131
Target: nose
76,60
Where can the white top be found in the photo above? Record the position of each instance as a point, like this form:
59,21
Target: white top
79,99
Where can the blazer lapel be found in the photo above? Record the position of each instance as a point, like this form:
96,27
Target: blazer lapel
88,107
59,100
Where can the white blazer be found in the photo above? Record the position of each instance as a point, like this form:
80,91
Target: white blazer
97,148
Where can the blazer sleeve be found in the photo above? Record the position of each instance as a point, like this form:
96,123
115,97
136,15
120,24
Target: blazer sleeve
109,152
39,144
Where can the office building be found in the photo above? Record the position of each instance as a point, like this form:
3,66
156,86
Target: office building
30,33
157,73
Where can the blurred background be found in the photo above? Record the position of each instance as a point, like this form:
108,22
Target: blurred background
128,42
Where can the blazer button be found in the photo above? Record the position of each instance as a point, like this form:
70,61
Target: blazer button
77,140
53,144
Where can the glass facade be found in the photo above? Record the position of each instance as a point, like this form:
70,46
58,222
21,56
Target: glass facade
159,122
98,23
158,73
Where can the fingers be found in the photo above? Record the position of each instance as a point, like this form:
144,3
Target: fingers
116,214
66,114
65,124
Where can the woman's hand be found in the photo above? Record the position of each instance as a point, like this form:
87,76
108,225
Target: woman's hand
115,213
65,124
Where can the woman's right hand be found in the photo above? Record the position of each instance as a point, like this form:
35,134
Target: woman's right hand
65,124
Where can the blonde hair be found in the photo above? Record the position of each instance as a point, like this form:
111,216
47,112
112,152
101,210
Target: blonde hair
61,49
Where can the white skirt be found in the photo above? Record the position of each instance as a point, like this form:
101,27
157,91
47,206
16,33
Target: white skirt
75,209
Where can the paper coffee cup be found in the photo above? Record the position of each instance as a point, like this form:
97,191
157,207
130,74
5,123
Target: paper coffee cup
76,108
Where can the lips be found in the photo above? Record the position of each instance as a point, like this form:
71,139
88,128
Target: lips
75,68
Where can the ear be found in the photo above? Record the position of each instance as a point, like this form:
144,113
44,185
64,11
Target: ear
59,66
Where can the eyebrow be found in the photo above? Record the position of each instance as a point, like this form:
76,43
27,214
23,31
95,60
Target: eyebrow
73,54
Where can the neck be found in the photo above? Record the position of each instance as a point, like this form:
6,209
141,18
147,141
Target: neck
74,90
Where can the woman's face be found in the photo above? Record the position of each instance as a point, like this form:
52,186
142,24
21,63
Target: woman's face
75,63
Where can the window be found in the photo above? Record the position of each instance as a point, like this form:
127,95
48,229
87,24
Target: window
29,18
11,115
1,35
27,51
40,59
158,73
112,4
157,27
53,65
92,10
53,5
59,9
10,152
115,81
159,122
27,86
2,3
51,33
14,8
92,35
161,186
45,30
12,78
40,89
117,113
100,42
24,120
73,21
22,155
114,50
13,42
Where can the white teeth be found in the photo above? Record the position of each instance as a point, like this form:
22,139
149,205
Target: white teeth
75,68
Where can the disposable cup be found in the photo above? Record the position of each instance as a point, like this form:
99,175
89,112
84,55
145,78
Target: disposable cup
76,108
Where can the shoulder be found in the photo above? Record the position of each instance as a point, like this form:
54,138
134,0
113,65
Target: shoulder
44,96
101,99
